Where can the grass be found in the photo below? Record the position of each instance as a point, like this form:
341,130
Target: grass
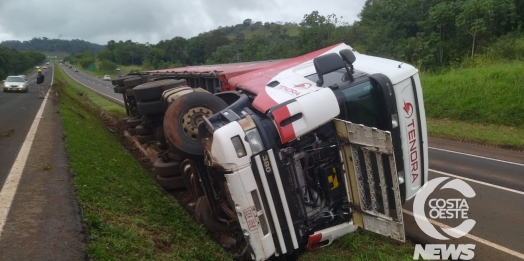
128,217
491,134
492,94
479,104
362,245
103,103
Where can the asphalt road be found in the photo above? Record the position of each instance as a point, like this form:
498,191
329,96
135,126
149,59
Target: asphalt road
104,88
18,111
40,218
496,176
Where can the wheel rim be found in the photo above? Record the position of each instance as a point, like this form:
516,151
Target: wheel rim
192,118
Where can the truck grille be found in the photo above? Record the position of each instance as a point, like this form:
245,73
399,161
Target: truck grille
375,177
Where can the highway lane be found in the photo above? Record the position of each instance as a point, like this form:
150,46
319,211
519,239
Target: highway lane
104,88
499,213
17,112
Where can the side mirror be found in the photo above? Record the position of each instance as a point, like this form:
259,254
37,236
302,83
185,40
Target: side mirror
327,63
349,58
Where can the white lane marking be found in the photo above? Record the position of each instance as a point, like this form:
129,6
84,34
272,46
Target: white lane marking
477,156
8,191
472,237
478,182
103,94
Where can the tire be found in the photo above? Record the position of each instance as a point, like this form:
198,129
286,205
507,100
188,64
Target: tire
131,131
150,107
203,215
141,130
170,182
145,138
183,133
145,78
120,81
131,123
130,92
132,81
154,90
121,90
160,136
167,169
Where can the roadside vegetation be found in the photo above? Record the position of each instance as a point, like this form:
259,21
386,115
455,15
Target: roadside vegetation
129,217
14,62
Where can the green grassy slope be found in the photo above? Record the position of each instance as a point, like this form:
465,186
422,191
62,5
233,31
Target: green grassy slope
492,94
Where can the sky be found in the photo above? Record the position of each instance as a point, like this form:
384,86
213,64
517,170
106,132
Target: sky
99,21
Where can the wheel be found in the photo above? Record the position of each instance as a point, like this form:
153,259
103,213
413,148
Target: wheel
130,92
160,137
118,89
132,81
145,78
120,81
170,182
204,215
166,169
131,131
141,130
150,107
154,90
183,116
131,123
145,138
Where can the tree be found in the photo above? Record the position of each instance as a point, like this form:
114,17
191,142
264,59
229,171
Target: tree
107,66
215,40
247,22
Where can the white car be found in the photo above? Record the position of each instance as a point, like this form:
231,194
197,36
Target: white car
15,83
45,67
107,78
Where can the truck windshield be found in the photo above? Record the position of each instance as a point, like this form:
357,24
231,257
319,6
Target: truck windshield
363,105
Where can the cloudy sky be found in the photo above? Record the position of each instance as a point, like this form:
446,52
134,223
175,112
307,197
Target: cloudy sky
150,21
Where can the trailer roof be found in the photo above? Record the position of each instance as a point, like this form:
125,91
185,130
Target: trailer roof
228,70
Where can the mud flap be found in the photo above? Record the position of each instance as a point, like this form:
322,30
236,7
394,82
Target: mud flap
372,180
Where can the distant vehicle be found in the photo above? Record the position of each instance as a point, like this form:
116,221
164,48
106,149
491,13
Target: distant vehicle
47,63
15,83
107,78
23,76
37,67
76,70
118,69
45,67
70,66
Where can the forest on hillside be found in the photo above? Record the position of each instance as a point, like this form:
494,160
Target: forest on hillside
14,62
45,44
431,34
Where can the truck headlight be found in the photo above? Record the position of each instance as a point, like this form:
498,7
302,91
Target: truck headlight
254,140
239,147
20,86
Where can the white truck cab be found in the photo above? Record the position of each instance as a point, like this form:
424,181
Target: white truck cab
316,147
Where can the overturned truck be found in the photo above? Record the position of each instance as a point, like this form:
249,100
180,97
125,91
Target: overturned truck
287,155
